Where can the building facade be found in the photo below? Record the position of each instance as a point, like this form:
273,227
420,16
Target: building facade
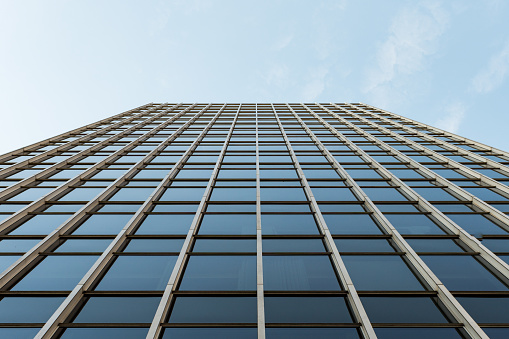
255,221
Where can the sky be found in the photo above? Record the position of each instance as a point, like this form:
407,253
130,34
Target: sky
64,64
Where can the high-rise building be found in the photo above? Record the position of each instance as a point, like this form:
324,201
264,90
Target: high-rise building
255,221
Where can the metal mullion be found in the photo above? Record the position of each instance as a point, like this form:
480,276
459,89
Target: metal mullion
74,142
460,150
164,305
76,295
458,190
452,305
77,130
446,133
27,181
23,262
259,251
475,245
5,224
353,298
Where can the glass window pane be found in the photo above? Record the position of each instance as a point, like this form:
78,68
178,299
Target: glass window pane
333,194
154,245
56,273
166,224
402,310
118,310
351,224
228,224
413,224
288,224
381,272
18,245
104,333
363,245
219,273
214,310
84,245
306,310
476,224
417,333
103,224
306,333
210,333
299,273
486,309
225,245
293,245
434,245
20,333
139,273
283,194
41,224
28,309
462,273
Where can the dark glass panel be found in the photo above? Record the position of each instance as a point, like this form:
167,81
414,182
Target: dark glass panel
56,273
402,310
219,273
104,333
299,273
228,224
118,310
138,273
434,245
293,245
210,333
417,333
363,245
103,224
155,245
225,245
28,309
306,310
351,224
387,272
306,333
413,224
166,224
84,245
485,309
462,273
288,224
214,310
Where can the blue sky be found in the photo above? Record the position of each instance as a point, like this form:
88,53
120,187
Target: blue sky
68,63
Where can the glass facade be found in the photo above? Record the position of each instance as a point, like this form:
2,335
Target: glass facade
336,220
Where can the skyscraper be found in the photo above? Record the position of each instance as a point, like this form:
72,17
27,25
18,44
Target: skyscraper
255,221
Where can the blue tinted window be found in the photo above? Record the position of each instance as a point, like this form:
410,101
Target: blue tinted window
17,245
84,245
210,333
413,224
104,333
28,309
306,333
132,194
214,310
118,310
497,333
183,194
138,273
363,245
351,224
299,273
333,194
56,273
288,224
387,272
103,224
434,245
402,310
494,245
293,245
384,194
155,245
306,310
41,224
166,224
486,309
476,224
225,245
462,273
228,224
417,333
18,332
220,273
233,194
283,194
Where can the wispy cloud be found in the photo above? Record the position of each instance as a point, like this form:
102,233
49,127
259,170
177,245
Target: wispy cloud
494,74
455,114
315,86
413,37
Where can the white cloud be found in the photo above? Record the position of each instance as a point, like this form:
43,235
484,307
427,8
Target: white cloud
283,42
494,74
455,115
413,37
277,75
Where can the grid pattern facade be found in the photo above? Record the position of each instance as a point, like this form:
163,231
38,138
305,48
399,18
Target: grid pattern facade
255,221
